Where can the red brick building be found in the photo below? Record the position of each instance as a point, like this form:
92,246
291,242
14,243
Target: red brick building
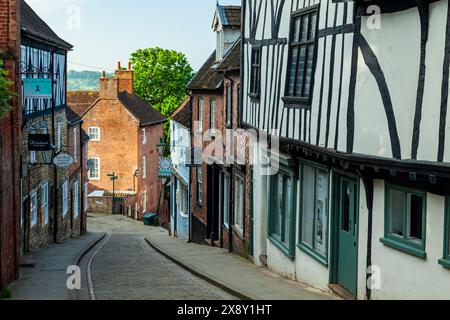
124,131
10,141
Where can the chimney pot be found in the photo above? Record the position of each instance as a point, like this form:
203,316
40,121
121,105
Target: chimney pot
104,74
129,66
118,65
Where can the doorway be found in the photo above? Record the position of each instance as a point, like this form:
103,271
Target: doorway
345,233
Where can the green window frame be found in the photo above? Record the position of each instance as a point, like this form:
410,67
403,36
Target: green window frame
445,261
400,232
282,209
313,234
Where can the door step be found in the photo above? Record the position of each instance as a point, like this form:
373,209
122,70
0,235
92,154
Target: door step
342,292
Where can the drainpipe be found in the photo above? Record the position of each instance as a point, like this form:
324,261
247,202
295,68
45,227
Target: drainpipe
55,169
368,186
243,16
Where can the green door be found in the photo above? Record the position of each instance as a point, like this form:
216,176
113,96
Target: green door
347,235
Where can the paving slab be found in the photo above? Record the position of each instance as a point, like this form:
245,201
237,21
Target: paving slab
233,273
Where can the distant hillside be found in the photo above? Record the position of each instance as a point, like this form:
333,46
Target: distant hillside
83,80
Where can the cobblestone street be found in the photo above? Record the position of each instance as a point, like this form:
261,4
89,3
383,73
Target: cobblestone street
123,266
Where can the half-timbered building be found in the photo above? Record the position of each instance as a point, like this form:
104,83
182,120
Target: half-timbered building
359,110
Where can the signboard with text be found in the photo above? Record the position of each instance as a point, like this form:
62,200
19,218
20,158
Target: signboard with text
37,88
63,160
165,168
39,142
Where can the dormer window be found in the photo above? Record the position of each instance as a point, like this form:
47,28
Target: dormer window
220,45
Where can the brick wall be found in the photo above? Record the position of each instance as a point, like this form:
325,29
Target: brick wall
10,135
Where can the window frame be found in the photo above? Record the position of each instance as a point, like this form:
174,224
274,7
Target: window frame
75,144
295,101
144,167
90,134
255,83
304,246
226,199
144,201
58,137
76,199
85,197
237,224
33,209
99,171
228,105
212,118
144,136
65,197
199,183
445,261
200,109
401,243
289,250
44,205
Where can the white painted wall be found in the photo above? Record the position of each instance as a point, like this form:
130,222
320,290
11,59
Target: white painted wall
405,276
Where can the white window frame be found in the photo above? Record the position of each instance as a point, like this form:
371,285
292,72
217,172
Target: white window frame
226,199
90,133
144,201
200,109
75,144
58,137
85,197
65,198
144,167
89,173
44,201
144,136
76,199
239,204
33,208
33,158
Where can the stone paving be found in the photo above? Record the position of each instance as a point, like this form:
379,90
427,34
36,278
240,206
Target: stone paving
47,279
125,267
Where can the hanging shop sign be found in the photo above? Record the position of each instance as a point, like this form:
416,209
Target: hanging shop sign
63,160
165,168
37,88
39,142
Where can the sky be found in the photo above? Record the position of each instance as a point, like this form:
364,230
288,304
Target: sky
104,32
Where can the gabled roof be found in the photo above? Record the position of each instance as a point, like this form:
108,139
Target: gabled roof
206,78
140,109
232,60
183,114
229,15
72,117
80,101
34,27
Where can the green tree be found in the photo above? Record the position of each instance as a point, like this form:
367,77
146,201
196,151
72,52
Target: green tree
5,93
160,78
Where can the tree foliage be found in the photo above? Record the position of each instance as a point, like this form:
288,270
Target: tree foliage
160,77
5,93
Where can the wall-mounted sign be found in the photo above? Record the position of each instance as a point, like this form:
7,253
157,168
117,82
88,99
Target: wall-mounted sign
63,160
37,88
39,142
165,168
40,125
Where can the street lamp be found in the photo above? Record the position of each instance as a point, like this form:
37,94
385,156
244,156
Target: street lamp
47,155
113,178
161,146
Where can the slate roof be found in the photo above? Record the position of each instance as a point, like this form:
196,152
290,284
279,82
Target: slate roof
207,78
230,15
140,109
80,101
84,136
34,27
72,116
183,114
232,60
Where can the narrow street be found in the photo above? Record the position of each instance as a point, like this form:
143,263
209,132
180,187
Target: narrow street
124,267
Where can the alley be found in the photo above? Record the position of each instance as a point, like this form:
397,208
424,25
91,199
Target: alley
123,266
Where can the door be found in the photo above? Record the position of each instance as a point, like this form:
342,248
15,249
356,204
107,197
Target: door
213,219
347,234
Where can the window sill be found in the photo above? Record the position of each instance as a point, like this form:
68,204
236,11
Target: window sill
298,103
308,250
239,232
404,247
445,263
282,247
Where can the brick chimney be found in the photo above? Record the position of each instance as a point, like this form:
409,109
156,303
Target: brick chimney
124,79
108,88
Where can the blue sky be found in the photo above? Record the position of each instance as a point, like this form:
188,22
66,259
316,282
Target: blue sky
110,30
